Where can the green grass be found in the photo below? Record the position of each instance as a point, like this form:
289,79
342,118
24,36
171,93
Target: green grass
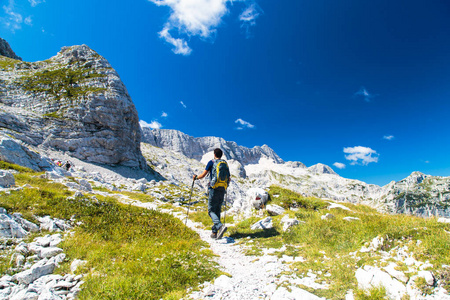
8,166
326,244
63,82
7,63
132,253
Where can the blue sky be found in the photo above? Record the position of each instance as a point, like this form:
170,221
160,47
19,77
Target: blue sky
362,86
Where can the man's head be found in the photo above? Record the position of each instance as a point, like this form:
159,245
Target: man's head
218,153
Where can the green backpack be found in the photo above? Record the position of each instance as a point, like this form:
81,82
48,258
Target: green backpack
220,174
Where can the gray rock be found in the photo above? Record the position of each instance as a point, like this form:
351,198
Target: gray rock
370,277
10,228
6,179
5,50
274,210
263,224
321,169
15,152
50,252
103,126
328,216
39,269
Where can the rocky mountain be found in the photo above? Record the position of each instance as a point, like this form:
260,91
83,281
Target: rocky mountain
73,102
418,194
5,50
196,148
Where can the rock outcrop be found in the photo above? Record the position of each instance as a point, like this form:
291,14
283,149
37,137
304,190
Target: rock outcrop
197,147
73,102
5,50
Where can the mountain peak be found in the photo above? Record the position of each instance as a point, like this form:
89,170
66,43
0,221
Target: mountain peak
5,50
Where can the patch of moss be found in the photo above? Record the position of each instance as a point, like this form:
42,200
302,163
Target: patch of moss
7,63
60,83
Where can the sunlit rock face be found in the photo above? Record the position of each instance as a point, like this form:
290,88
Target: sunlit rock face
74,102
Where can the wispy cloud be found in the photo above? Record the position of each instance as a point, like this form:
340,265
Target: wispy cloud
365,94
13,19
152,125
361,155
199,18
339,165
248,17
35,2
180,46
243,124
164,115
388,137
182,104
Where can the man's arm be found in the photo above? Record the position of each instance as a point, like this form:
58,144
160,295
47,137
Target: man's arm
205,172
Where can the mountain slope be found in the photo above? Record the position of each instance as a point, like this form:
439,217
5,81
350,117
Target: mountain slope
73,102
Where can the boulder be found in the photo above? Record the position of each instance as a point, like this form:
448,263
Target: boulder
263,224
288,223
6,179
371,277
39,269
275,210
14,152
9,228
327,217
257,197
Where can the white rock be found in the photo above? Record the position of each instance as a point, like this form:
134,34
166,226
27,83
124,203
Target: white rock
9,228
328,216
257,197
263,224
288,223
444,220
351,219
390,269
275,210
50,252
428,276
77,263
370,277
39,269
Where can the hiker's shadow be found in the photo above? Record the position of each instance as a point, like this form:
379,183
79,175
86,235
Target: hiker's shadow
266,233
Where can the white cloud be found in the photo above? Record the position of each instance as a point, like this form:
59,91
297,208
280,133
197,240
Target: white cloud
182,104
35,2
180,46
243,124
152,125
164,115
248,17
13,20
388,137
361,155
339,165
200,18
365,94
28,21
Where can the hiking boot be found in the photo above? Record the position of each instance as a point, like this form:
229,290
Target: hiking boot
221,231
214,235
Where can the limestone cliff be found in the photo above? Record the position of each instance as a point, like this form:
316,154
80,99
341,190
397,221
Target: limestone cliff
73,102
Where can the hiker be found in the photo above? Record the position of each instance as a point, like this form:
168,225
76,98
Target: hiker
219,177
67,165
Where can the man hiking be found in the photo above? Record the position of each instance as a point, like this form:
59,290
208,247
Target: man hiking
219,174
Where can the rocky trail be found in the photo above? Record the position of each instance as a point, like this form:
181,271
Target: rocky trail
252,277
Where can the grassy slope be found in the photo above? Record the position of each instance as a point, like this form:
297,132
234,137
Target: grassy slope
327,245
132,253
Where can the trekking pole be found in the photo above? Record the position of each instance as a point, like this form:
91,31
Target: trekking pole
225,214
192,189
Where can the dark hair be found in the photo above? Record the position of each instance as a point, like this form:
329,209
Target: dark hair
218,153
